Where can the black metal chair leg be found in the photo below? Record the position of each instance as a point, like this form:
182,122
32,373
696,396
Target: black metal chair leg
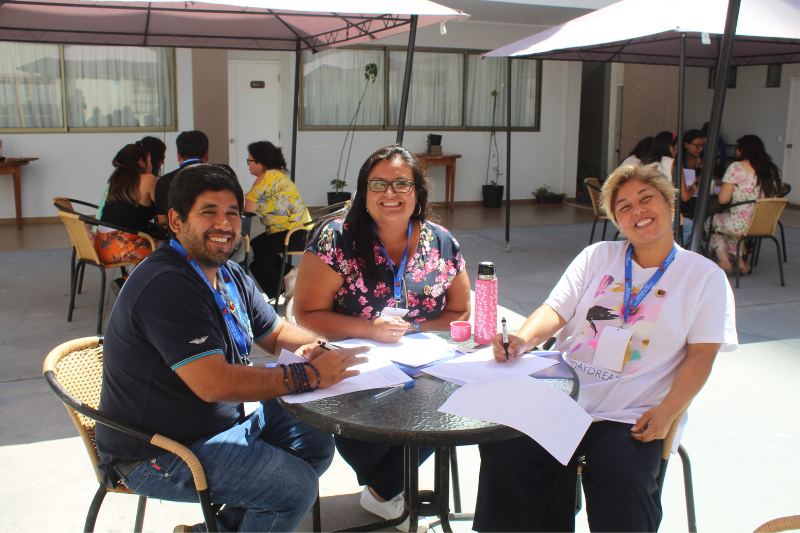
783,242
94,508
456,482
138,526
594,225
316,514
738,258
605,226
756,252
80,275
102,299
688,489
72,264
209,516
780,263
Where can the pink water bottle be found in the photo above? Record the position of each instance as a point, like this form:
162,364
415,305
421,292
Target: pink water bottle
485,303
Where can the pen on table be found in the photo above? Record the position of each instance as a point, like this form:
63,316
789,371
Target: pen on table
396,388
505,337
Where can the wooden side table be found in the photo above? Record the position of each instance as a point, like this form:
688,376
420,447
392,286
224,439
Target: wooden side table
12,167
449,163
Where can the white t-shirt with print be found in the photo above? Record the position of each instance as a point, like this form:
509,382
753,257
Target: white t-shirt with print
691,303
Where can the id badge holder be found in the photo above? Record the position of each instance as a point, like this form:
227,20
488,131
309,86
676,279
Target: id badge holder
398,312
611,348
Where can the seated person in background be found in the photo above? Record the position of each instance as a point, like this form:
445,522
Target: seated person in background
753,175
276,200
638,153
678,325
693,144
192,149
158,152
384,252
129,203
662,152
176,363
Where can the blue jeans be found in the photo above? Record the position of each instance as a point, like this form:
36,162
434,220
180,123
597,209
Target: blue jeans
265,470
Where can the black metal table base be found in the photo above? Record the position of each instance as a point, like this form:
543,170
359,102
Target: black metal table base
418,503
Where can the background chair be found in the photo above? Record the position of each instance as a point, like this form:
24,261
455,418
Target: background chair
67,203
85,253
785,190
74,371
766,213
786,523
594,193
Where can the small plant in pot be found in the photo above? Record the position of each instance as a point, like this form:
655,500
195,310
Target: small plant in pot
492,192
545,196
339,183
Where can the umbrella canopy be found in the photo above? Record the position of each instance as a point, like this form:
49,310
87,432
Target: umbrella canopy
227,24
647,31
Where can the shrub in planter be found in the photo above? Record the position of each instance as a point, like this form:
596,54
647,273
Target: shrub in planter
545,196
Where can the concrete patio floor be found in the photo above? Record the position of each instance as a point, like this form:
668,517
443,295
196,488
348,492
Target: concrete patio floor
743,435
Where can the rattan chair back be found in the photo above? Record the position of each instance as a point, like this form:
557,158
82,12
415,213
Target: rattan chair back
78,367
79,236
594,193
766,212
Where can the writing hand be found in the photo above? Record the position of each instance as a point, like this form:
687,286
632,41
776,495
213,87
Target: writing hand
388,331
516,347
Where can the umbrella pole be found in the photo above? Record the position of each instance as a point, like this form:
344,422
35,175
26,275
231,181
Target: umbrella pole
677,169
297,66
710,155
507,247
401,121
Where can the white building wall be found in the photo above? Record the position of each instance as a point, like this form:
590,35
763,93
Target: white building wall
78,165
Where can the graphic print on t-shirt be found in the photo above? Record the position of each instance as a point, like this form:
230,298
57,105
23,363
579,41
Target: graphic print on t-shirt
606,310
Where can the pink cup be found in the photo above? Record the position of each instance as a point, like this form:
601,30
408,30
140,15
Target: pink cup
460,330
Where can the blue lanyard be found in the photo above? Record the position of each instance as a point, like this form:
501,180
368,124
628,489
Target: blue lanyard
185,161
234,327
398,276
630,307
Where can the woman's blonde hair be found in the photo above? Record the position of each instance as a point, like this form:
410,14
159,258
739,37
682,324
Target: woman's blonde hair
648,174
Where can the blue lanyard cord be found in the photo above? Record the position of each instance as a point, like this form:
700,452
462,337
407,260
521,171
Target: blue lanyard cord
630,307
398,275
186,161
232,313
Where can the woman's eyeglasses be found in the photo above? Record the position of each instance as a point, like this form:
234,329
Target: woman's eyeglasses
250,161
397,186
699,145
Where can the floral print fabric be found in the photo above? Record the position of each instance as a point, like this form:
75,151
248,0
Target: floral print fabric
121,247
279,204
736,219
427,277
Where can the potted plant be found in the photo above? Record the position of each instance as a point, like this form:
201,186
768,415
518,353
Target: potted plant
492,192
545,196
339,183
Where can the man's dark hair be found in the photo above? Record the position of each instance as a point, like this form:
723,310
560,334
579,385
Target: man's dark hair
192,144
194,180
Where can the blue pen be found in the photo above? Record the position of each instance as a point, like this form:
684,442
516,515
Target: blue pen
396,388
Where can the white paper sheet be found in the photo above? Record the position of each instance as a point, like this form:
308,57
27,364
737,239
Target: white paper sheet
377,373
411,350
399,312
690,176
541,411
481,366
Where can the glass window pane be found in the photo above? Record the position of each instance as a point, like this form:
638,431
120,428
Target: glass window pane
30,86
334,82
437,88
118,86
489,74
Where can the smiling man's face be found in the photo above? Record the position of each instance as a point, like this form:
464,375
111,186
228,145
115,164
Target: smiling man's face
212,229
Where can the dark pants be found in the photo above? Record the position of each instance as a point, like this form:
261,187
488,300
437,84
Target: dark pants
523,488
379,466
267,251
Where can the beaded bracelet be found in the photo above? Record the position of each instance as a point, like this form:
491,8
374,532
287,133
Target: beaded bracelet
316,372
300,377
286,379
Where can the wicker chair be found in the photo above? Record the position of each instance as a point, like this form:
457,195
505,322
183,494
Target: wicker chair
766,212
594,193
787,523
74,371
83,250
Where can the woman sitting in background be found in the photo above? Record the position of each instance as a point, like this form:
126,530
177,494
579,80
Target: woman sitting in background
693,144
662,152
129,202
276,200
640,151
384,252
158,152
753,175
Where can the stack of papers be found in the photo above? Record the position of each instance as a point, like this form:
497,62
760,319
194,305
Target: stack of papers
378,372
411,350
481,366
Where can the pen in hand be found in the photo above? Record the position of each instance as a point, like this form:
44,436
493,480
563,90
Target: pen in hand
324,345
396,388
505,337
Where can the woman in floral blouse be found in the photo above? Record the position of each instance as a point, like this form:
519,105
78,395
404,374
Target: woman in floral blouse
753,175
384,252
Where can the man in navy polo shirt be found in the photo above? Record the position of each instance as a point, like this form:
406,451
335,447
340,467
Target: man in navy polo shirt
176,363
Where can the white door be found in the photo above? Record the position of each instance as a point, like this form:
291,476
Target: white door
254,105
791,160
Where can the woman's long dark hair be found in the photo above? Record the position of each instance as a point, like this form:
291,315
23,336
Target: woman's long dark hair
157,151
641,149
360,225
660,147
267,154
124,181
768,176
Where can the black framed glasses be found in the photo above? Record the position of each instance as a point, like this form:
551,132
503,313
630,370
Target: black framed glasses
399,186
699,145
250,161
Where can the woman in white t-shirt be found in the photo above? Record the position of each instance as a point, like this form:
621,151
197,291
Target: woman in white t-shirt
675,329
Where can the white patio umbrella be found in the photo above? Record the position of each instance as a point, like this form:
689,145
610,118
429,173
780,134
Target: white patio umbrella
672,32
288,25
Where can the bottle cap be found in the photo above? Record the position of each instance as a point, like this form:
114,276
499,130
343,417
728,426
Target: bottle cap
486,269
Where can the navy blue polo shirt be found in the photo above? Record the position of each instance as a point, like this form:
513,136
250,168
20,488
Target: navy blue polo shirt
165,317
